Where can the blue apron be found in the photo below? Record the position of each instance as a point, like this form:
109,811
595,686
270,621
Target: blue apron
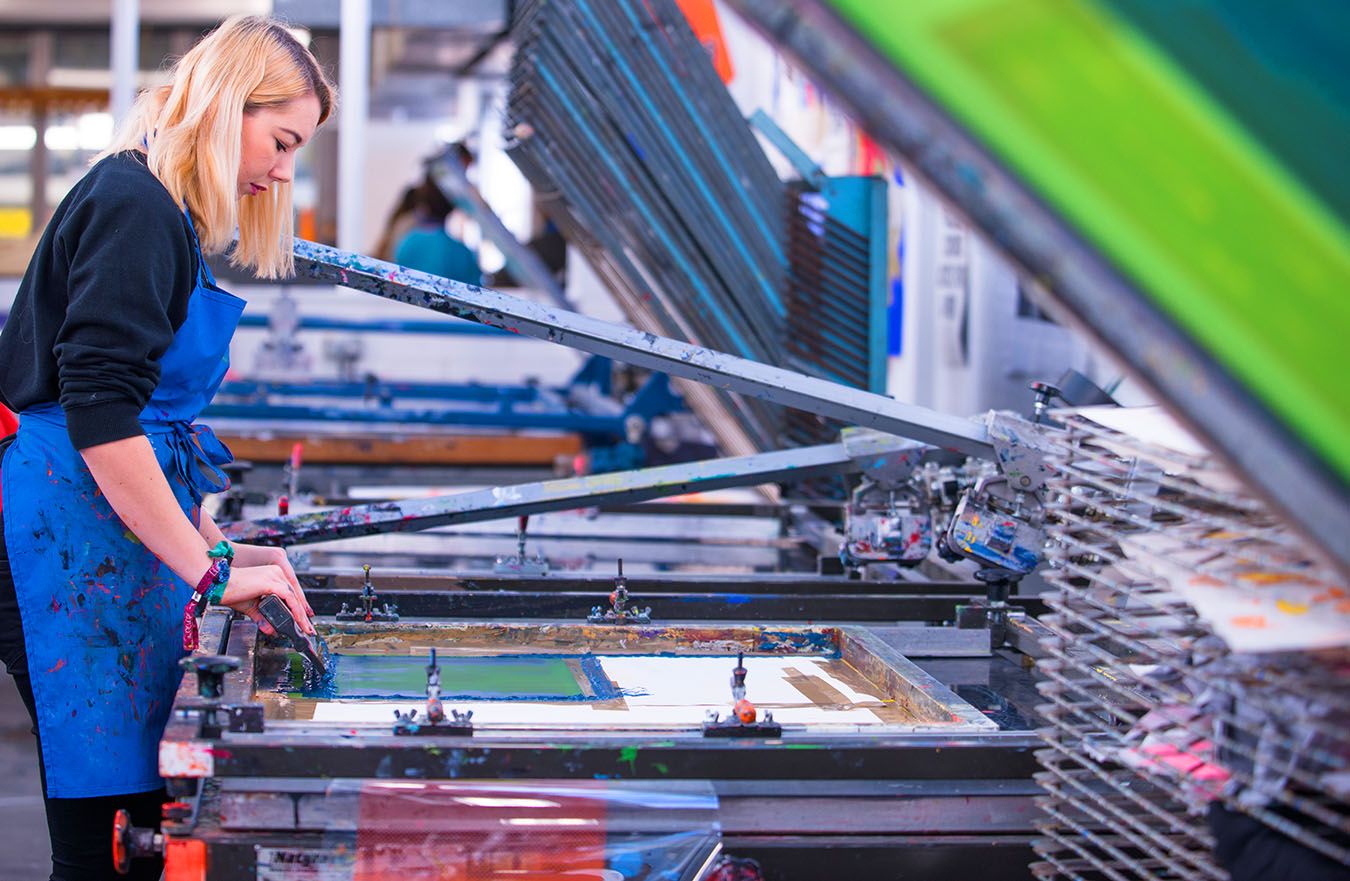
102,617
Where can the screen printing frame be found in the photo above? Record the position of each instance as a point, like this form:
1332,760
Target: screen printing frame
295,749
686,597
939,802
869,666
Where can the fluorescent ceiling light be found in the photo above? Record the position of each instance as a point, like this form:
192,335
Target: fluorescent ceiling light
17,137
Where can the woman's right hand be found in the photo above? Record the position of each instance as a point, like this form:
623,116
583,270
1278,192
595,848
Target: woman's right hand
249,584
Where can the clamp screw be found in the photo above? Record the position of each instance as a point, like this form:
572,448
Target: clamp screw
210,670
1045,393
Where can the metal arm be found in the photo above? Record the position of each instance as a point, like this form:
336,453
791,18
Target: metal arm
559,495
635,347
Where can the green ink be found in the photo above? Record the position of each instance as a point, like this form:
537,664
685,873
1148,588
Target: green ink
501,677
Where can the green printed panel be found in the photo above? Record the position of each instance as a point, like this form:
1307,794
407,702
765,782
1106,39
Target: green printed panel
1249,260
386,677
1279,69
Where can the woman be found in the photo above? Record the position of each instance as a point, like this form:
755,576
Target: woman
118,338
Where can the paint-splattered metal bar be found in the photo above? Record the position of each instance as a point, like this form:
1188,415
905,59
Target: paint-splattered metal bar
555,495
635,347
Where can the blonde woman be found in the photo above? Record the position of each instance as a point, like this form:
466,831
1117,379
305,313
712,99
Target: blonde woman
118,338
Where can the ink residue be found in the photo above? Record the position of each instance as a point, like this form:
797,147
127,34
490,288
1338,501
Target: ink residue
480,677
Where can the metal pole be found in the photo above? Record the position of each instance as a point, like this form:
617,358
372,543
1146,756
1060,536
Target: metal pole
39,167
497,503
354,86
622,343
39,67
126,25
529,269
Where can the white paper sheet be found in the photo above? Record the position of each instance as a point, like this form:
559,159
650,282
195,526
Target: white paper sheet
676,692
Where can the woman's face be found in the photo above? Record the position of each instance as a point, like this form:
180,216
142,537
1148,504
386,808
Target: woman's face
271,137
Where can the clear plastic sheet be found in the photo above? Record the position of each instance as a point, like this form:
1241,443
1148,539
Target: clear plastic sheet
449,830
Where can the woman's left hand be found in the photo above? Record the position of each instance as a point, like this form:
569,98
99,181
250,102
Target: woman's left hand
261,555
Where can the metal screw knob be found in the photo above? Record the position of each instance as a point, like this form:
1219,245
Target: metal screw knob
998,583
1045,393
210,670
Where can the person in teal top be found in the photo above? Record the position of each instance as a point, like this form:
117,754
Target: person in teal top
429,248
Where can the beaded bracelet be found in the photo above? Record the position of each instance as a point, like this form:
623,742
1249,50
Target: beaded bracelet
211,589
224,552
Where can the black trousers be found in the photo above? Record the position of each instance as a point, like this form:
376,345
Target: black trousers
80,828
1252,851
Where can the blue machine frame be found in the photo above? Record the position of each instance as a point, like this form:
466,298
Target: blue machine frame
377,402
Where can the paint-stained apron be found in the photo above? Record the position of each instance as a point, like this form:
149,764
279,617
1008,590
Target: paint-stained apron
102,617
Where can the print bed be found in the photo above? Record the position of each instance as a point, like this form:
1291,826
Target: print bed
524,676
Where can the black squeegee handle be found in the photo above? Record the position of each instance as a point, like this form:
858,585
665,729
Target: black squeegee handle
276,613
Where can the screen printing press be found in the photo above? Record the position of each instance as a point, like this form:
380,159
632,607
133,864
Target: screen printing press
535,725
604,748
522,726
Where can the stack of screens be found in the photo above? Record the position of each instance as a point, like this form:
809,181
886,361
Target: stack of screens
835,291
836,300
619,121
1200,664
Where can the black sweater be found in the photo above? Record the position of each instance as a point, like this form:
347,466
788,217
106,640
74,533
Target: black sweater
102,298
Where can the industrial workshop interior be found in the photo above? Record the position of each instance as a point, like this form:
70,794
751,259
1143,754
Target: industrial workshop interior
675,440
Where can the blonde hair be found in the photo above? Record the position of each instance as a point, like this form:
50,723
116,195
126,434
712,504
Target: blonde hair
192,128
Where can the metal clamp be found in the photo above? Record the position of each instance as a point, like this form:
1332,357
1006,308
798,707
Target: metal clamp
996,527
210,671
619,611
368,612
521,564
743,719
435,721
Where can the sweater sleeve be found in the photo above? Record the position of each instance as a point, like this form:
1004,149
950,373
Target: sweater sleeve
128,259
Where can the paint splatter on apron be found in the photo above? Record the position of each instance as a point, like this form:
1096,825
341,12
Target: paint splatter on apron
102,617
